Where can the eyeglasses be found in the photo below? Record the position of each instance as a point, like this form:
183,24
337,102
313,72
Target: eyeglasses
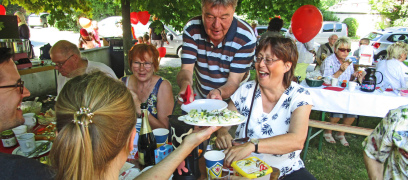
61,64
19,83
266,61
146,65
343,49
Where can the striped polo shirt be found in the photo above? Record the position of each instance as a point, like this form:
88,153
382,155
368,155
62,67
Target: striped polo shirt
213,64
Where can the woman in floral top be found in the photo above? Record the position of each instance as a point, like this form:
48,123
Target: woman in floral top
150,88
279,114
388,145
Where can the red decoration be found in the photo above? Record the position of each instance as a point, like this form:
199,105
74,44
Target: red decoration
133,33
2,10
134,18
162,51
306,23
143,16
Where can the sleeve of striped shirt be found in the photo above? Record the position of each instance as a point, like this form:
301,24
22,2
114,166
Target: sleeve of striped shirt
189,52
243,57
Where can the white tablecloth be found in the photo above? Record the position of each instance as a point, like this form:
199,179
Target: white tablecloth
374,104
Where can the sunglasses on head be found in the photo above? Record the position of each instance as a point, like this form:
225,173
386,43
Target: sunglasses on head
343,49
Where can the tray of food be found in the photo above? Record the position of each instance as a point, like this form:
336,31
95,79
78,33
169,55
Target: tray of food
224,117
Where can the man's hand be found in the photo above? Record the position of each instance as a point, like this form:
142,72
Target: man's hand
224,139
214,94
183,91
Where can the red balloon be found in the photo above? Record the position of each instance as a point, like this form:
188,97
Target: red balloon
162,51
306,23
2,10
143,16
133,18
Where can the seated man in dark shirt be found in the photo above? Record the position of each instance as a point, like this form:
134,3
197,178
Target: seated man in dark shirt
12,93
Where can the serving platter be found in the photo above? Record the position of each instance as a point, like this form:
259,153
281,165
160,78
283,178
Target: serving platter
206,122
205,104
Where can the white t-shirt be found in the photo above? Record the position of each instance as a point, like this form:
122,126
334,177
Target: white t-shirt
277,122
393,72
92,66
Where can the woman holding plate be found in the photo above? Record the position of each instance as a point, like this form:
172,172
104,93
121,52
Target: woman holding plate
149,87
276,110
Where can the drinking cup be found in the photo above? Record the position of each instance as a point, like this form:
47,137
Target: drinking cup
352,86
138,124
327,80
30,121
214,160
27,142
160,134
20,130
224,176
334,82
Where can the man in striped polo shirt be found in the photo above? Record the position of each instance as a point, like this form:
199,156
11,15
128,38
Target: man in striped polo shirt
218,48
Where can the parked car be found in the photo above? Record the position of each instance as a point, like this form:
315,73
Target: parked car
329,28
40,20
261,29
380,40
112,27
394,29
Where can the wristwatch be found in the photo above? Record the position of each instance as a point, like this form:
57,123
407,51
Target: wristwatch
255,141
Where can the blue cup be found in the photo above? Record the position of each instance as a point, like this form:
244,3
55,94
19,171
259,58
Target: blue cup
214,161
160,135
138,124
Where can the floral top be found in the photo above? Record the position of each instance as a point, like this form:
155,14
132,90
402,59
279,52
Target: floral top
152,99
388,144
277,122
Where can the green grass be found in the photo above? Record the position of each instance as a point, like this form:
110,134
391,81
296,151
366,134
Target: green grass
334,162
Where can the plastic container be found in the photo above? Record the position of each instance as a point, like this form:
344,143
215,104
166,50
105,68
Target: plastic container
314,83
251,168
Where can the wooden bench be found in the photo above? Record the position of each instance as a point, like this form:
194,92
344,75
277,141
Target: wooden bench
330,126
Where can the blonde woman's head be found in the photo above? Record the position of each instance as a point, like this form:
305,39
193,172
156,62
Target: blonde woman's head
87,142
21,17
398,50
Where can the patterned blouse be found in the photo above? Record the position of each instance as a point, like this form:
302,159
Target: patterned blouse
152,99
388,144
277,122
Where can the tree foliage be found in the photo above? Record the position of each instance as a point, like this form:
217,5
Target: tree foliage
392,9
265,9
352,26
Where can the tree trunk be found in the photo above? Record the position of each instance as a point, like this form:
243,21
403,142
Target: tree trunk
127,34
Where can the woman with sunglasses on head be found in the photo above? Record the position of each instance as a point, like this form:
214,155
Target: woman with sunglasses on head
149,87
276,110
336,66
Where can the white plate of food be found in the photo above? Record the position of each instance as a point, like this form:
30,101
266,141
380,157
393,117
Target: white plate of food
18,151
205,104
224,117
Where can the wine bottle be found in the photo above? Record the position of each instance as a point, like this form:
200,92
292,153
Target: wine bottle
147,143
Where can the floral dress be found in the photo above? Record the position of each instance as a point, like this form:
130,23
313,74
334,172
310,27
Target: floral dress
277,122
388,144
152,99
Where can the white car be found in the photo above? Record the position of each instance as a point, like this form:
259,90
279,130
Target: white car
112,27
329,28
40,20
380,40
